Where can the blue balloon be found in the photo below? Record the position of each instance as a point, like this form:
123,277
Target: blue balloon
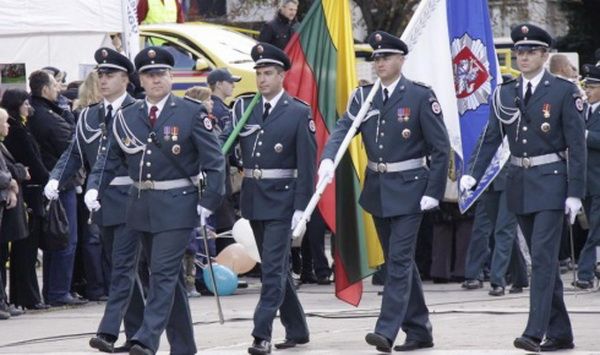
226,280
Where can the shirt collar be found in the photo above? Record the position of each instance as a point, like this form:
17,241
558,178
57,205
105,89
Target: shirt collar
115,104
160,105
273,101
535,81
595,106
391,87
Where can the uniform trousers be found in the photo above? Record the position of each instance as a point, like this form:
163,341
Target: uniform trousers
167,297
273,239
403,303
547,312
587,259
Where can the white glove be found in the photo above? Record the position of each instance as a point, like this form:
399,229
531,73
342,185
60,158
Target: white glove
51,189
296,218
428,203
572,207
467,182
91,200
204,213
326,171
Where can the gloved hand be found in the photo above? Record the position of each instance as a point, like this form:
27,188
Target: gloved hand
467,182
296,218
204,213
572,207
51,189
428,203
91,200
326,171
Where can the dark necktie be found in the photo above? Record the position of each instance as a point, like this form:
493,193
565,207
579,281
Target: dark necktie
152,116
108,117
588,112
266,111
527,93
386,95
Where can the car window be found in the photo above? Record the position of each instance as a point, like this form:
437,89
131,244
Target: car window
184,59
232,47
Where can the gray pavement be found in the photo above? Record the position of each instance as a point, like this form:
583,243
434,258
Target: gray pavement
464,322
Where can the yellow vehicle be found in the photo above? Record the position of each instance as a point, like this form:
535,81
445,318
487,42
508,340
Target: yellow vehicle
199,48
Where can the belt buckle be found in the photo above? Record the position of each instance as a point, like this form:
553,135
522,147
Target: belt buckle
147,185
257,173
526,162
382,167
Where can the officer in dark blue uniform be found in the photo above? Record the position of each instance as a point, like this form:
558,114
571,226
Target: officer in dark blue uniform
278,153
541,115
404,126
165,142
119,243
587,259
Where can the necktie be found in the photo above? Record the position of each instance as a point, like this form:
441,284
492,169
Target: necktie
386,95
527,93
152,116
108,117
588,112
266,111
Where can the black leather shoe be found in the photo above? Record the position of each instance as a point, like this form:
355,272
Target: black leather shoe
527,343
68,301
496,291
260,347
515,289
15,311
556,344
103,343
101,298
380,342
472,284
308,278
37,307
323,281
123,348
291,343
139,349
583,284
413,345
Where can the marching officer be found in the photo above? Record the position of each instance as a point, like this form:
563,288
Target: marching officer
405,125
165,142
120,244
541,115
278,153
587,258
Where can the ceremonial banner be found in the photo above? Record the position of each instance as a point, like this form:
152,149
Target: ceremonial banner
463,74
323,74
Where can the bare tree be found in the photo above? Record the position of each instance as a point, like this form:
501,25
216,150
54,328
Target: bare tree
387,15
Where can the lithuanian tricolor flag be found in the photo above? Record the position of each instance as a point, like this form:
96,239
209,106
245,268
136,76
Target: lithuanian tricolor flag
323,74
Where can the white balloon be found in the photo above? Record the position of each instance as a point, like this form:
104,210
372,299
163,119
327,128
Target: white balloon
242,233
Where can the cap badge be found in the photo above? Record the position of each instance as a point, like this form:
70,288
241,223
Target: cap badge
151,53
260,49
104,53
525,30
378,37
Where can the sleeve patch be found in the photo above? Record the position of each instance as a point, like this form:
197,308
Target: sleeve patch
436,108
579,104
311,126
208,125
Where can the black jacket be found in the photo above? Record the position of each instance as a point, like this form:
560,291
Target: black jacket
278,31
25,150
14,221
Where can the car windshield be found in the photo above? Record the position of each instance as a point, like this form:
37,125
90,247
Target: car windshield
231,47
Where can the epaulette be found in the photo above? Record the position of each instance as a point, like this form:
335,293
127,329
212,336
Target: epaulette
196,101
94,104
129,104
245,96
422,84
365,84
508,81
565,79
300,101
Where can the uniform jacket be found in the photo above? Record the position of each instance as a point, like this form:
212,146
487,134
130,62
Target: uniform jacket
278,31
285,140
593,149
24,148
145,150
90,138
398,193
543,187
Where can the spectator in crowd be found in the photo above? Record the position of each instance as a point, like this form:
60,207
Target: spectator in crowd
160,11
62,101
24,288
88,93
560,65
53,133
13,226
279,30
202,94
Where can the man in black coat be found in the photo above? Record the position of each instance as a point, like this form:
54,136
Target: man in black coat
279,30
51,128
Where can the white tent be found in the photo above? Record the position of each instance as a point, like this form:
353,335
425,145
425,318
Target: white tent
63,33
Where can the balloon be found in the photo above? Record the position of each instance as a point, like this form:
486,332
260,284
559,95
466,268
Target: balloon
226,279
242,233
236,258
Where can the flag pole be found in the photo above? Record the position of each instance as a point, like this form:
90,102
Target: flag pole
238,127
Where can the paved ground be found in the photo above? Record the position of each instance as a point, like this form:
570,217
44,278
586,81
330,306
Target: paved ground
464,322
